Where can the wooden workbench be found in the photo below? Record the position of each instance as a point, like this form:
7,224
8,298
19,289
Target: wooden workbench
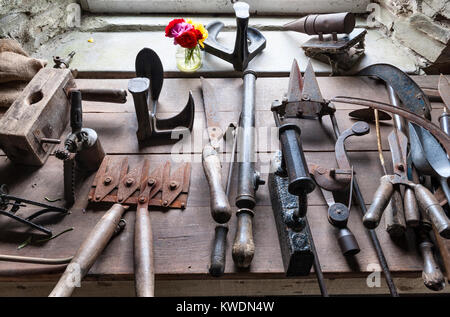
183,237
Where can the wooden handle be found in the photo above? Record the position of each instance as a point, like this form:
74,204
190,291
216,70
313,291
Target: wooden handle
220,207
412,213
428,202
444,252
143,253
431,274
380,201
394,215
88,252
243,246
218,254
104,95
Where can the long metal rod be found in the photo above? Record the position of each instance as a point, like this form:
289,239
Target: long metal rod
372,233
316,263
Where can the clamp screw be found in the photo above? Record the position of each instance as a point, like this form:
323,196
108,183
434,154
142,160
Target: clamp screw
400,167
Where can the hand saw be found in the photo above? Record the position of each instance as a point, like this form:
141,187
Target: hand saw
220,206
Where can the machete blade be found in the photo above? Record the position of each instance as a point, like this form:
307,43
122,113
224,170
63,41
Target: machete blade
444,91
148,65
295,88
311,88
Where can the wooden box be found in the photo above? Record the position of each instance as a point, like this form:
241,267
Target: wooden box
41,111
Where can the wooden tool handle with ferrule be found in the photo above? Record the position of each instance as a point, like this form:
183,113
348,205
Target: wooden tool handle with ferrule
243,246
88,252
144,270
220,207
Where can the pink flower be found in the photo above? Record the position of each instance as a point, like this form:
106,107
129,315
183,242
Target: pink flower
178,29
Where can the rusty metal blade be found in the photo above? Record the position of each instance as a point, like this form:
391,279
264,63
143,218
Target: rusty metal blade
156,178
129,183
295,88
144,188
110,169
210,103
444,91
173,185
310,85
368,115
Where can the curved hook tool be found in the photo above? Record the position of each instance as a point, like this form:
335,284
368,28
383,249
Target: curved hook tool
410,94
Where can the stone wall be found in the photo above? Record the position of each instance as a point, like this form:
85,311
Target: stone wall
422,26
33,22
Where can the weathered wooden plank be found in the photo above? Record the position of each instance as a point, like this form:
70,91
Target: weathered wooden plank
222,287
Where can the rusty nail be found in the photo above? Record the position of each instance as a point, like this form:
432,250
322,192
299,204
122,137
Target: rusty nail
173,185
120,198
305,97
142,199
165,203
183,205
151,182
107,180
400,167
89,197
97,197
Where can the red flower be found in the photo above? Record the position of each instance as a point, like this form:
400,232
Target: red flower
189,39
171,25
198,34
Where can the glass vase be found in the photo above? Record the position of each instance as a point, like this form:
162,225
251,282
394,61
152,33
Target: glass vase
188,59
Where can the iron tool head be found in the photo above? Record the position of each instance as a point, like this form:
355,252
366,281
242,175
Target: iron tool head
410,94
146,89
303,99
323,23
149,65
243,52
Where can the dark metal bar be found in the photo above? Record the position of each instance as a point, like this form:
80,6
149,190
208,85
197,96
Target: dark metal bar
316,263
